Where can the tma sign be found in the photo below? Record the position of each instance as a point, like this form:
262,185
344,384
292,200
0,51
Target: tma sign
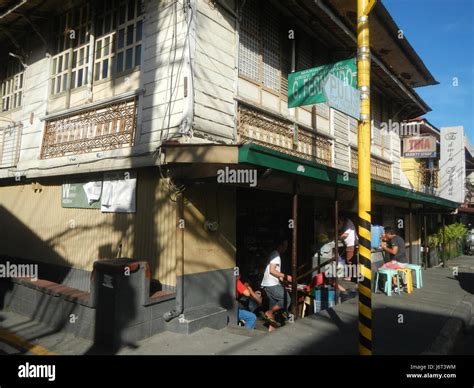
419,147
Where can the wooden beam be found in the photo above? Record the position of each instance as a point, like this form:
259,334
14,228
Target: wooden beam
12,39
35,29
33,14
12,9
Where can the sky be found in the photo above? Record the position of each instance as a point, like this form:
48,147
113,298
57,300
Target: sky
442,33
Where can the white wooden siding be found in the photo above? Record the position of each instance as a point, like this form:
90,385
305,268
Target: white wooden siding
215,72
341,133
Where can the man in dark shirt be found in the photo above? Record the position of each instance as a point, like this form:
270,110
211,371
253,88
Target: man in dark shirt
395,247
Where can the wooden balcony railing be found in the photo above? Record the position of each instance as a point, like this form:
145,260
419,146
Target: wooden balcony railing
380,170
100,129
257,127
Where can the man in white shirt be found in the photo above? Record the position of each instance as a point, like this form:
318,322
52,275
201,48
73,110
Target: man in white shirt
349,236
272,282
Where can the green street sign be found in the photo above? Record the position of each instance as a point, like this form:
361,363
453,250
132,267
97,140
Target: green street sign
312,86
83,195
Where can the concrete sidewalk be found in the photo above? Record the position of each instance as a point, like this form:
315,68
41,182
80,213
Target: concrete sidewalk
429,320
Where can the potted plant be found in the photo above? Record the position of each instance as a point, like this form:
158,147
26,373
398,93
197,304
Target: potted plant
451,238
433,245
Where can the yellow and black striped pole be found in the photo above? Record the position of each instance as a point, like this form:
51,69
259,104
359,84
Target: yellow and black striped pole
364,195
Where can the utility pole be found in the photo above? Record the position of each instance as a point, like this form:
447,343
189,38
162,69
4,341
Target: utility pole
364,185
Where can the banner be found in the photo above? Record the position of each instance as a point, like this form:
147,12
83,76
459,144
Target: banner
452,165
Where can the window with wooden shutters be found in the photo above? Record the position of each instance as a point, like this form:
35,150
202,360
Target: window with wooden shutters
105,29
72,50
80,61
129,35
12,86
249,47
264,50
304,57
271,35
119,31
286,51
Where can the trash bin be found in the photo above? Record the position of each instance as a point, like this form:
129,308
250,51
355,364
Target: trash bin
121,289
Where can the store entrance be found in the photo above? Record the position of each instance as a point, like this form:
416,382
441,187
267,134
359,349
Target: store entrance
263,217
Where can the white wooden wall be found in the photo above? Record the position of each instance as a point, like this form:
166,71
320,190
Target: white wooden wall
215,73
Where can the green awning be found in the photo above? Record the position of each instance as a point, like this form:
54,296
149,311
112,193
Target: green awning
265,157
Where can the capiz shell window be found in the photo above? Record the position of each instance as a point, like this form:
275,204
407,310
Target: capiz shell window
12,86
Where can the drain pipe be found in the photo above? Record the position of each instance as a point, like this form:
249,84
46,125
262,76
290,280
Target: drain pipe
187,121
179,308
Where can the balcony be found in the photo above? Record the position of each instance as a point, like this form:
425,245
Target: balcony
96,129
380,170
257,127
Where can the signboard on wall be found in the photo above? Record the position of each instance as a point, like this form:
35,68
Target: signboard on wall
335,84
82,195
452,164
119,192
419,147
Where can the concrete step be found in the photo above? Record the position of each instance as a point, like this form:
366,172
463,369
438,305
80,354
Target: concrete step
197,318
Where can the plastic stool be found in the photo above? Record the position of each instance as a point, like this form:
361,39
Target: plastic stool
406,275
418,276
389,273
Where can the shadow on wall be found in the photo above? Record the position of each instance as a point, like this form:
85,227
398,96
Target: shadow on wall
18,241
19,244
209,257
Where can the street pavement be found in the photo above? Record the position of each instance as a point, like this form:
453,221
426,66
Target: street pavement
433,320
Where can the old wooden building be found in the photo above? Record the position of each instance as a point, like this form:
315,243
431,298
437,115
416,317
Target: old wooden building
146,100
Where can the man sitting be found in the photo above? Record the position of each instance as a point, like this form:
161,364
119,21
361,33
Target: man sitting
243,314
395,246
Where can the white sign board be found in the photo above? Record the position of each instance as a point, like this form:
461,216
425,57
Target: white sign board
118,192
341,96
419,147
452,164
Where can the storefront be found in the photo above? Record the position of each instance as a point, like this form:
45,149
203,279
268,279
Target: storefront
290,197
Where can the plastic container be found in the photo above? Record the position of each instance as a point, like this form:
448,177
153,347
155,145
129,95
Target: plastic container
376,233
324,298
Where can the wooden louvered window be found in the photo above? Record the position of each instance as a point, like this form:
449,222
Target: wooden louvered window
118,46
264,49
72,49
12,86
304,57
